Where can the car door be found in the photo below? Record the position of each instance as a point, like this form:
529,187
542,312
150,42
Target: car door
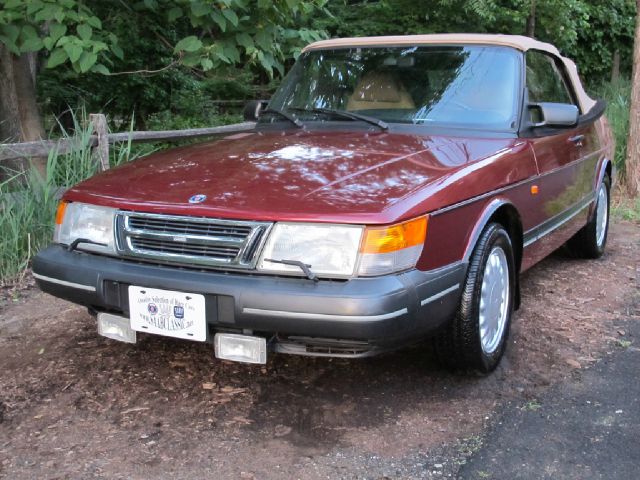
562,154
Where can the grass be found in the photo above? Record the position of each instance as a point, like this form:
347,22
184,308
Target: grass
617,96
623,343
531,406
624,208
618,100
28,202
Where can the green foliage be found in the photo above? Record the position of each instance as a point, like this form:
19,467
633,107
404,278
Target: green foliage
610,28
627,209
618,97
213,50
589,31
254,32
67,29
167,120
172,99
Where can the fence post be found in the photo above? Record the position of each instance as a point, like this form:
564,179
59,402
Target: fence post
101,151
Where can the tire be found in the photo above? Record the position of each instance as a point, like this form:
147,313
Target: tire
461,344
591,240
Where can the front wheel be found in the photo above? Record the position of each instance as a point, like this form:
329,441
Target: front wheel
591,240
476,337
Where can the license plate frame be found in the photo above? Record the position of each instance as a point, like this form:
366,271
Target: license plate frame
168,313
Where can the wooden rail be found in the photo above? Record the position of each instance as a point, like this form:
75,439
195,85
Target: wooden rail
102,139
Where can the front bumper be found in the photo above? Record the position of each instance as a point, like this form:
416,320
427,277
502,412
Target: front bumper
382,312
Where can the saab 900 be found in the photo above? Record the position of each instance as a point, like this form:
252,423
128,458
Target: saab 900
393,190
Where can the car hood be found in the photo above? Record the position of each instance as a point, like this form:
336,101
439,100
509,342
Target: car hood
332,176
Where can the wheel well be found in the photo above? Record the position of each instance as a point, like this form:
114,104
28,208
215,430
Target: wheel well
508,217
609,170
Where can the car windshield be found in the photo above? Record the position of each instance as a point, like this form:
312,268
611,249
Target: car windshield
453,86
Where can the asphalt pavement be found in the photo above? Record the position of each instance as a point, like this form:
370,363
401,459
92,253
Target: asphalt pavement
585,428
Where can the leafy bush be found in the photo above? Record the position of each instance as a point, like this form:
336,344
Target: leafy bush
167,120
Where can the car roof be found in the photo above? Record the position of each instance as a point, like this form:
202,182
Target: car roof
518,42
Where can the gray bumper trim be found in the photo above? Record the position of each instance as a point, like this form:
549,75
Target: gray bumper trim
323,316
441,294
57,281
380,312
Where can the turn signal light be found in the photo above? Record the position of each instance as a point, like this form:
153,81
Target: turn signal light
395,237
62,207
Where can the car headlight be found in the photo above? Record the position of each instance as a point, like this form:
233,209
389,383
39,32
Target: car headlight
91,223
342,251
331,250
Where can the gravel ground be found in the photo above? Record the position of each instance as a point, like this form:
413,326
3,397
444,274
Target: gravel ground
76,405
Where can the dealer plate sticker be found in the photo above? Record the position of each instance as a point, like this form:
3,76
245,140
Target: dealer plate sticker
163,312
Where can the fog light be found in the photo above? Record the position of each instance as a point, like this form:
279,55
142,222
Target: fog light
240,348
116,328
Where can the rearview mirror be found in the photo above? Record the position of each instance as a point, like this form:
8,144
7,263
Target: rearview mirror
548,114
252,110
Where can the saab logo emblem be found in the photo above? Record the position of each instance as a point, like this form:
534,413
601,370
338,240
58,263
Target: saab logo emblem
178,311
198,198
152,308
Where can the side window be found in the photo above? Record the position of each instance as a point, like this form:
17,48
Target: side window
544,81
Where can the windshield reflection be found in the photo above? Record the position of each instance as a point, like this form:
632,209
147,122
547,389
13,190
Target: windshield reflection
470,86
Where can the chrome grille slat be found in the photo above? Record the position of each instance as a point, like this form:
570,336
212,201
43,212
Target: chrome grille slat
191,240
187,227
163,245
196,239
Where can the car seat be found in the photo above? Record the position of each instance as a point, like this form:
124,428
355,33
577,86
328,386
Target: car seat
379,91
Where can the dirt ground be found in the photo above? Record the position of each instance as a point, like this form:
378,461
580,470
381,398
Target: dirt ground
76,405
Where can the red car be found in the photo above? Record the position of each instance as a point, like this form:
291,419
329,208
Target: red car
393,189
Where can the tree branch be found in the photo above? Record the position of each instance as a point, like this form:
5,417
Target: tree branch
149,72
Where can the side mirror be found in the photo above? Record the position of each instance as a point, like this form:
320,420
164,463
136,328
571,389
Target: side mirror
252,110
548,114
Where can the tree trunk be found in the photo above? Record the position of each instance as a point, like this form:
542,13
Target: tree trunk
9,115
9,112
531,20
632,164
20,119
30,121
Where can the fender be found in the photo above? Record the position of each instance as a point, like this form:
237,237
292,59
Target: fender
602,172
482,222
600,177
488,211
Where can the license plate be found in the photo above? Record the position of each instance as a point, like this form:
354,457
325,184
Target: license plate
163,312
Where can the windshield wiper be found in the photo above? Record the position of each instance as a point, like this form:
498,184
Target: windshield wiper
303,266
284,115
343,113
74,245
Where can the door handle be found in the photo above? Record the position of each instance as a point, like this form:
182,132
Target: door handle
577,140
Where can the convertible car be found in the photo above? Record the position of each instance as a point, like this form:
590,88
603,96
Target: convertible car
393,190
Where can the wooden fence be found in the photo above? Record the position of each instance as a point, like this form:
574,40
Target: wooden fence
101,140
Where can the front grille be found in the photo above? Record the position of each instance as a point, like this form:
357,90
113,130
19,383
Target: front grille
167,246
191,240
188,227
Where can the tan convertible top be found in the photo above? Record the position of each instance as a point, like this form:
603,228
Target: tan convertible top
515,41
